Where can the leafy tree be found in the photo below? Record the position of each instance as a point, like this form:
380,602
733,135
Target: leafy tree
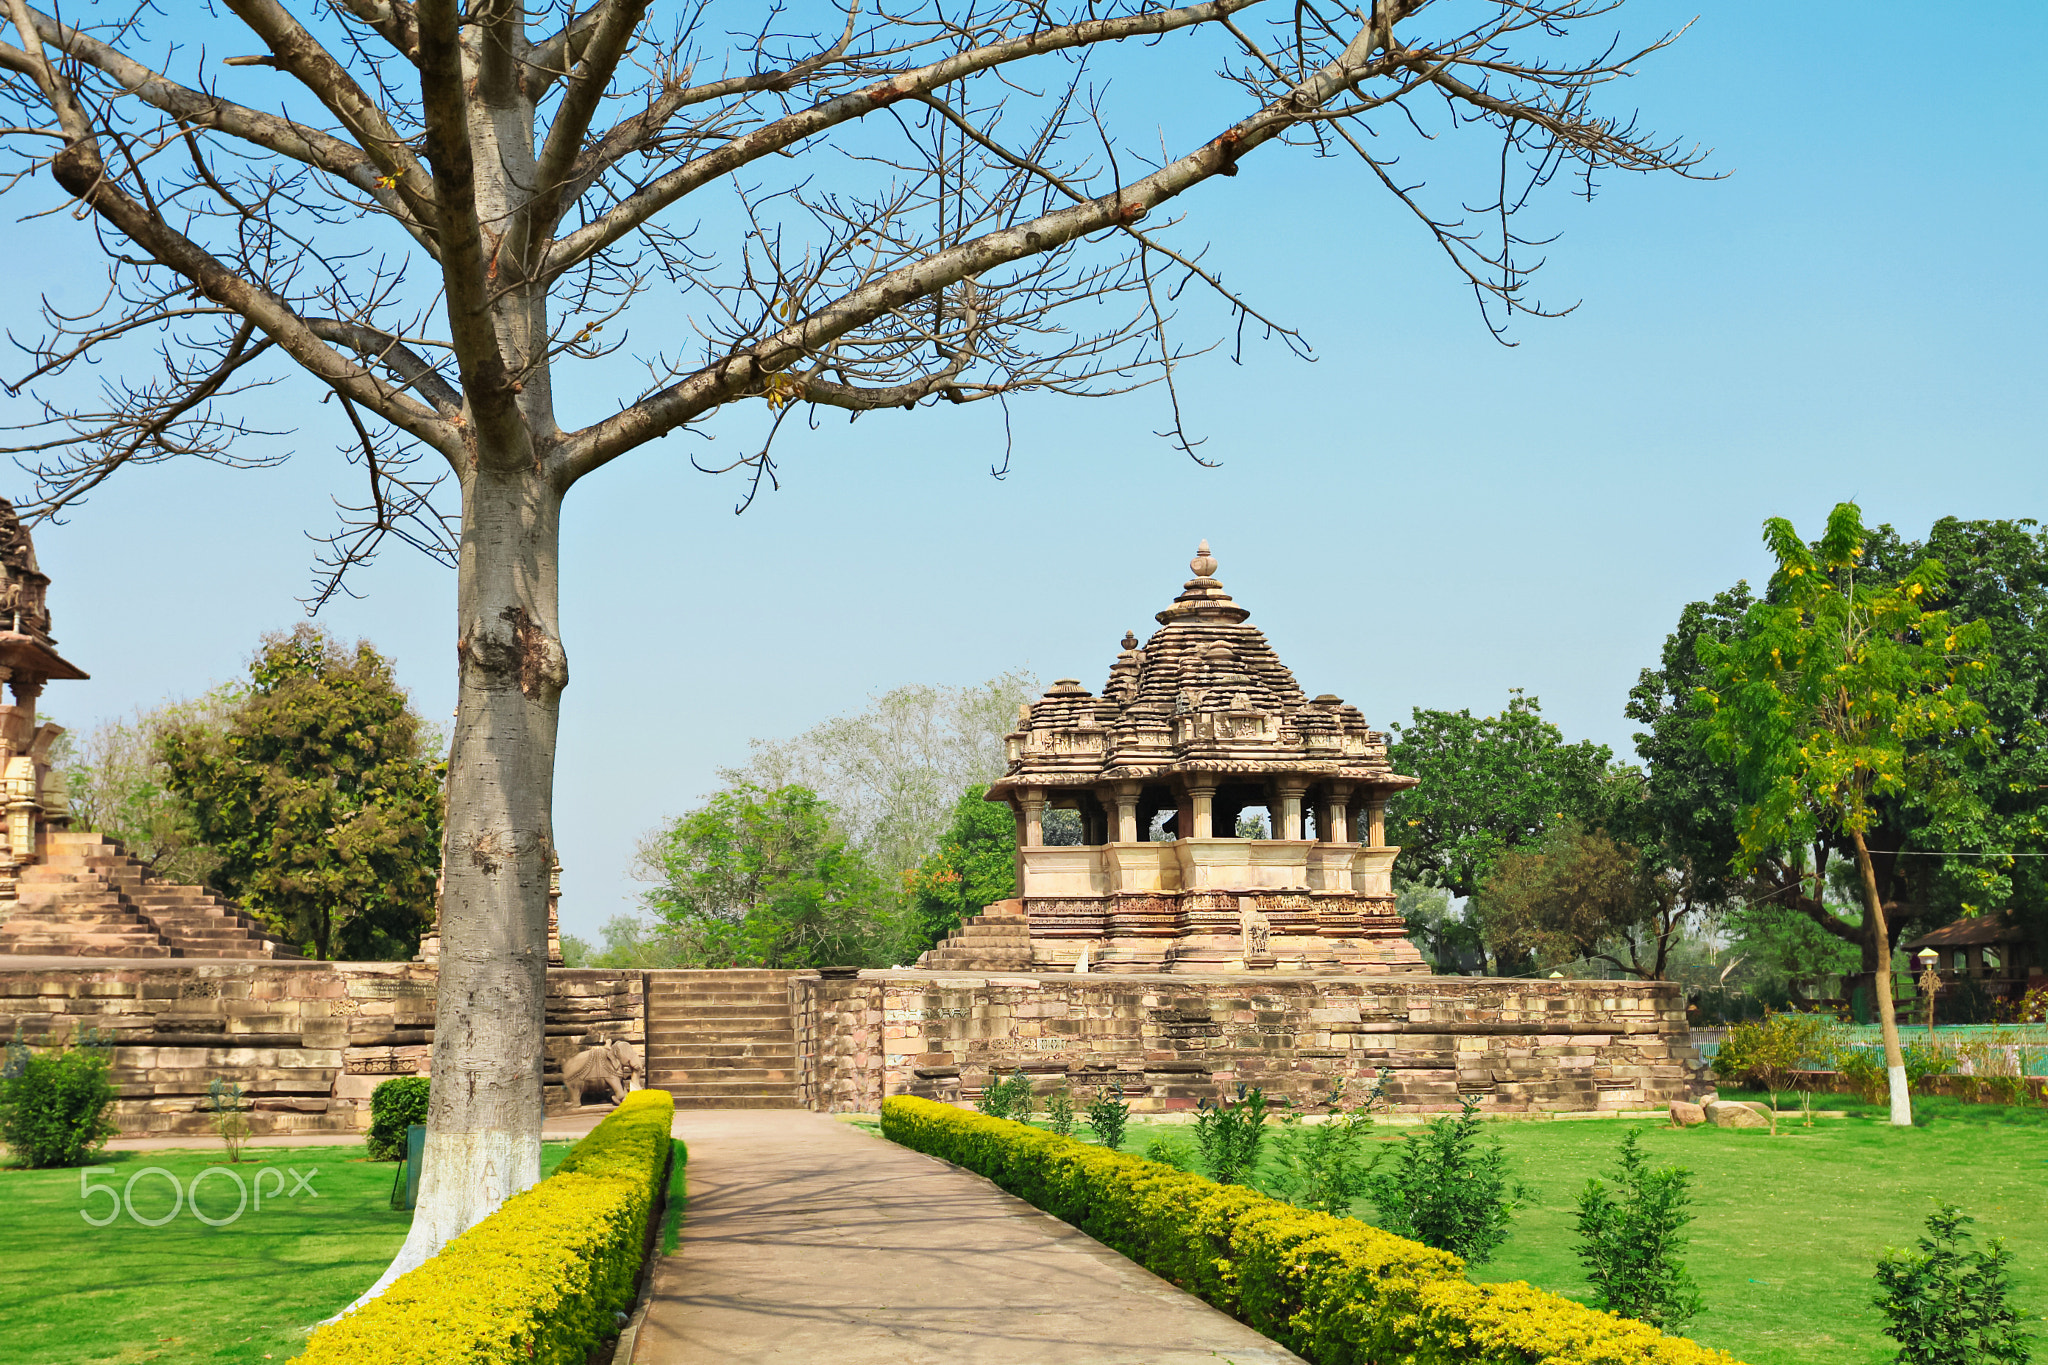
974,866
1991,800
320,797
1947,1304
893,773
120,786
1630,1237
761,878
1449,940
1579,895
1836,692
1489,784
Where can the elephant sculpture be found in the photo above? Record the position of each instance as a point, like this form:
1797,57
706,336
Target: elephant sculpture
613,1066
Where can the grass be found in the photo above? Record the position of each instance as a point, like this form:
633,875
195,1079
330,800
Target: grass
678,1198
1787,1229
124,1294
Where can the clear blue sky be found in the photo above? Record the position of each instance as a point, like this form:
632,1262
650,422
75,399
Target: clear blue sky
1418,518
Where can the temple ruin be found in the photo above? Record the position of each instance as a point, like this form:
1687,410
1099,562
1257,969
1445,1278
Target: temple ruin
1193,728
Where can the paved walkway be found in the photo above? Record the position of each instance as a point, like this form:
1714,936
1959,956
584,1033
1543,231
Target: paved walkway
810,1240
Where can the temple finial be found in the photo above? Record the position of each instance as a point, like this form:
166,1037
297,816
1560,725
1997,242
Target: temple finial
1130,640
1204,564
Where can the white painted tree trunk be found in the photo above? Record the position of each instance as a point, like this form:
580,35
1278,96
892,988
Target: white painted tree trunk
483,1127
1887,1012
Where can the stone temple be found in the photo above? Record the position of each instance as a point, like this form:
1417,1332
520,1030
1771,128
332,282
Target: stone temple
1192,729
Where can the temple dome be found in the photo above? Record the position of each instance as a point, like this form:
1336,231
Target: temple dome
1206,693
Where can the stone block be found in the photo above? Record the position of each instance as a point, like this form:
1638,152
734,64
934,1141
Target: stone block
1687,1115
1734,1114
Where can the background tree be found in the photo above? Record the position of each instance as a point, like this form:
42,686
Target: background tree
1794,914
1489,784
1581,896
120,786
433,212
320,797
761,878
893,773
1823,705
975,865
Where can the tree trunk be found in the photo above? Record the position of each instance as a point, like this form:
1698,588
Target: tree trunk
1887,1015
483,1122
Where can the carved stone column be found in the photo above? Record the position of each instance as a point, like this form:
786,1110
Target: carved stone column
1376,821
1337,811
1288,825
1032,804
1203,802
1126,800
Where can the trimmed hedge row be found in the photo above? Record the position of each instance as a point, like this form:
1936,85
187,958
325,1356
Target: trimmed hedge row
1334,1290
539,1280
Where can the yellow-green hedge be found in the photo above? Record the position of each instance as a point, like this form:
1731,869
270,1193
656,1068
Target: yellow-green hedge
540,1279
1333,1290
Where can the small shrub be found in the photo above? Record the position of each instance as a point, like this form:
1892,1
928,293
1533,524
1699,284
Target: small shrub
395,1105
1107,1116
1059,1110
1864,1070
1945,1304
54,1104
1629,1240
230,1115
1767,1052
1170,1150
1324,1166
1006,1097
1228,1135
1446,1191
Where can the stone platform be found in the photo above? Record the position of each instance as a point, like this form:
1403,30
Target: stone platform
1167,1042
308,1041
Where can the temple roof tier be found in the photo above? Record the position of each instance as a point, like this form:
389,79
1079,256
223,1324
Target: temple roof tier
1206,694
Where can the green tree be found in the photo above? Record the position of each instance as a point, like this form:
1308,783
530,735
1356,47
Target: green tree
1839,691
1581,895
760,878
320,796
120,787
1489,784
974,866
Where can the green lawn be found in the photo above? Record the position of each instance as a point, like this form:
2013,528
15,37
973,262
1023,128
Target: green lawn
185,1291
1788,1228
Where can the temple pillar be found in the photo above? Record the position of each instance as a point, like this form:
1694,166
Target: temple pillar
1376,821
1288,823
1203,802
1031,805
1337,815
1126,802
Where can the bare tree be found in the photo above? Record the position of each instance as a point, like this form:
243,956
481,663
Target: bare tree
431,209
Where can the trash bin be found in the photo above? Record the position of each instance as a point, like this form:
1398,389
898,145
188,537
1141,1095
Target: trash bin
405,1187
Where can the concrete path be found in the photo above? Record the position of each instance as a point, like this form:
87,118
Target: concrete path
810,1240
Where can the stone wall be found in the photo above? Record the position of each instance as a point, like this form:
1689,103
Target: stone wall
1168,1042
306,1041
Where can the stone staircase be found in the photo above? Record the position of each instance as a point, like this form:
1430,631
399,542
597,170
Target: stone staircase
722,1039
88,898
997,940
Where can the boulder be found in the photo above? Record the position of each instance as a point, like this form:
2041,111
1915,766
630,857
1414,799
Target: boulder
1729,1114
1685,1115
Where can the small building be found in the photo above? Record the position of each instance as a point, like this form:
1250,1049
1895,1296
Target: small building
1194,730
1992,950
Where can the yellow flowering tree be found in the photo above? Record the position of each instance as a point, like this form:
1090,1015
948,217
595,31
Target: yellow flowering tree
1840,690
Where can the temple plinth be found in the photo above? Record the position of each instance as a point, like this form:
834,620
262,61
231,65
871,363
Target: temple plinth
1193,728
